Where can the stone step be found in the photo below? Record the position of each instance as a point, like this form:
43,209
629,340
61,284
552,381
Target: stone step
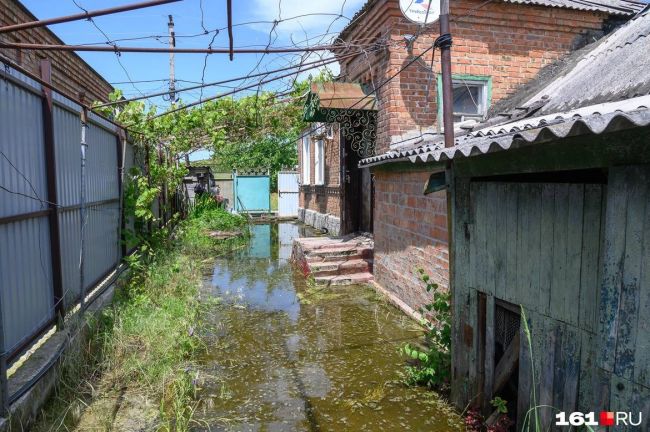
332,268
348,279
365,252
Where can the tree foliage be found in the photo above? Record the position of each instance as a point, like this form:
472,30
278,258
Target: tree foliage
250,132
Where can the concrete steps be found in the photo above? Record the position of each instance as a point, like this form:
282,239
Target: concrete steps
335,261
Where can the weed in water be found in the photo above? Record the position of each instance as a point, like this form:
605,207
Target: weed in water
431,362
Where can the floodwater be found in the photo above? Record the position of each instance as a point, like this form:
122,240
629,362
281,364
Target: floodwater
284,355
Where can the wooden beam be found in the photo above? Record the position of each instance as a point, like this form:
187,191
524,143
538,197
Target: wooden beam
506,365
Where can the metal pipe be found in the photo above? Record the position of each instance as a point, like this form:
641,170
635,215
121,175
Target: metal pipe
83,15
163,50
230,37
447,87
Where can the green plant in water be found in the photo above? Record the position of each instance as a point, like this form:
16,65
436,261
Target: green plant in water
432,361
146,340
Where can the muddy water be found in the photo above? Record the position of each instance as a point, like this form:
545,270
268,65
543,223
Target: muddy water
284,355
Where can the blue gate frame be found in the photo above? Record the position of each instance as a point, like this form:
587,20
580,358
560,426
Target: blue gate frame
252,191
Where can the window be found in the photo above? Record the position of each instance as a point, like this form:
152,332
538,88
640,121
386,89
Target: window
471,95
319,162
306,160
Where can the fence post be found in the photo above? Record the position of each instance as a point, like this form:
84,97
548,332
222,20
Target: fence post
53,216
83,116
121,150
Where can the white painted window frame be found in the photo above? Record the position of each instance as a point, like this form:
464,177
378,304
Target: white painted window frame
319,162
306,160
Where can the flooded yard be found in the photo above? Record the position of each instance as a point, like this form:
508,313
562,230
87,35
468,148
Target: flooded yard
286,355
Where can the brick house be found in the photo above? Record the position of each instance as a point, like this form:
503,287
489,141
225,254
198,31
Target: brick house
326,168
70,72
497,47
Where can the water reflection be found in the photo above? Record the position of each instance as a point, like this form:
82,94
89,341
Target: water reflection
284,356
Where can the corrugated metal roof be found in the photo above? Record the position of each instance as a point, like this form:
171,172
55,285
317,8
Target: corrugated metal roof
605,89
341,95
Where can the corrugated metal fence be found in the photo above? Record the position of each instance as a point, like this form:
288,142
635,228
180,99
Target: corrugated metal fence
40,209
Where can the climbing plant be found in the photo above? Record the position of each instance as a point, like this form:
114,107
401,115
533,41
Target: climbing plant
431,362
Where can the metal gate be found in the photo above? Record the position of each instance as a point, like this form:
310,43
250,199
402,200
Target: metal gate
288,194
252,191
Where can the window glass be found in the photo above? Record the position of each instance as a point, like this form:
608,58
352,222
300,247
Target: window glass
470,98
467,99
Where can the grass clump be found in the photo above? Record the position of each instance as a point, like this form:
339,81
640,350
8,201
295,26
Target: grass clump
146,341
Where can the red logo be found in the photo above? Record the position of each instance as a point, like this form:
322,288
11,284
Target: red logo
606,418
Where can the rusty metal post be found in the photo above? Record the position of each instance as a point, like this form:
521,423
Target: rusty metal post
231,52
83,15
53,217
447,87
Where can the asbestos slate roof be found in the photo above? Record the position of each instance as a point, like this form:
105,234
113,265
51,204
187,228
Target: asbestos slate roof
613,7
601,89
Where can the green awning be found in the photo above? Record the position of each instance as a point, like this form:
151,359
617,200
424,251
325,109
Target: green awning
348,105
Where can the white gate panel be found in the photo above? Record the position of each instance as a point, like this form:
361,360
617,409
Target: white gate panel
288,189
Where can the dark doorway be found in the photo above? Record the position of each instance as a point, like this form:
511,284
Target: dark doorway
358,193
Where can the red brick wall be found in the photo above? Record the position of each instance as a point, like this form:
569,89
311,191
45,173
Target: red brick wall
410,233
325,198
508,42
69,72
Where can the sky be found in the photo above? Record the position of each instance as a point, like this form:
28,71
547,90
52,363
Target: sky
195,17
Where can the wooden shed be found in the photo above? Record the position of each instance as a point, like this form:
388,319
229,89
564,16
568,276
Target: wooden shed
550,217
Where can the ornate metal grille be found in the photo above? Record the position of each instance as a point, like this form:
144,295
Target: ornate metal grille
358,126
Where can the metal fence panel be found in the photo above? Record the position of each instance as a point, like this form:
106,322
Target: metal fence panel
70,229
25,279
101,252
22,162
102,246
67,138
288,186
101,165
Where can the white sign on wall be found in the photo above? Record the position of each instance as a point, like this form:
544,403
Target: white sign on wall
420,11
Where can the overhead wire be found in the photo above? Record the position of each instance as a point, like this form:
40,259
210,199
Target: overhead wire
109,42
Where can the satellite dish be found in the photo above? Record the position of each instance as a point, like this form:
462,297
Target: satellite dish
420,11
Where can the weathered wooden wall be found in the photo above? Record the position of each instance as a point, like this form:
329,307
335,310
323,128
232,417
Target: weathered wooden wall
572,255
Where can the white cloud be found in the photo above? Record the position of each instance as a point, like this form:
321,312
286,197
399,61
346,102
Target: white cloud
313,25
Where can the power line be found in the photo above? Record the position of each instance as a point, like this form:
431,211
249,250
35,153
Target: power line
238,90
162,50
110,42
217,83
